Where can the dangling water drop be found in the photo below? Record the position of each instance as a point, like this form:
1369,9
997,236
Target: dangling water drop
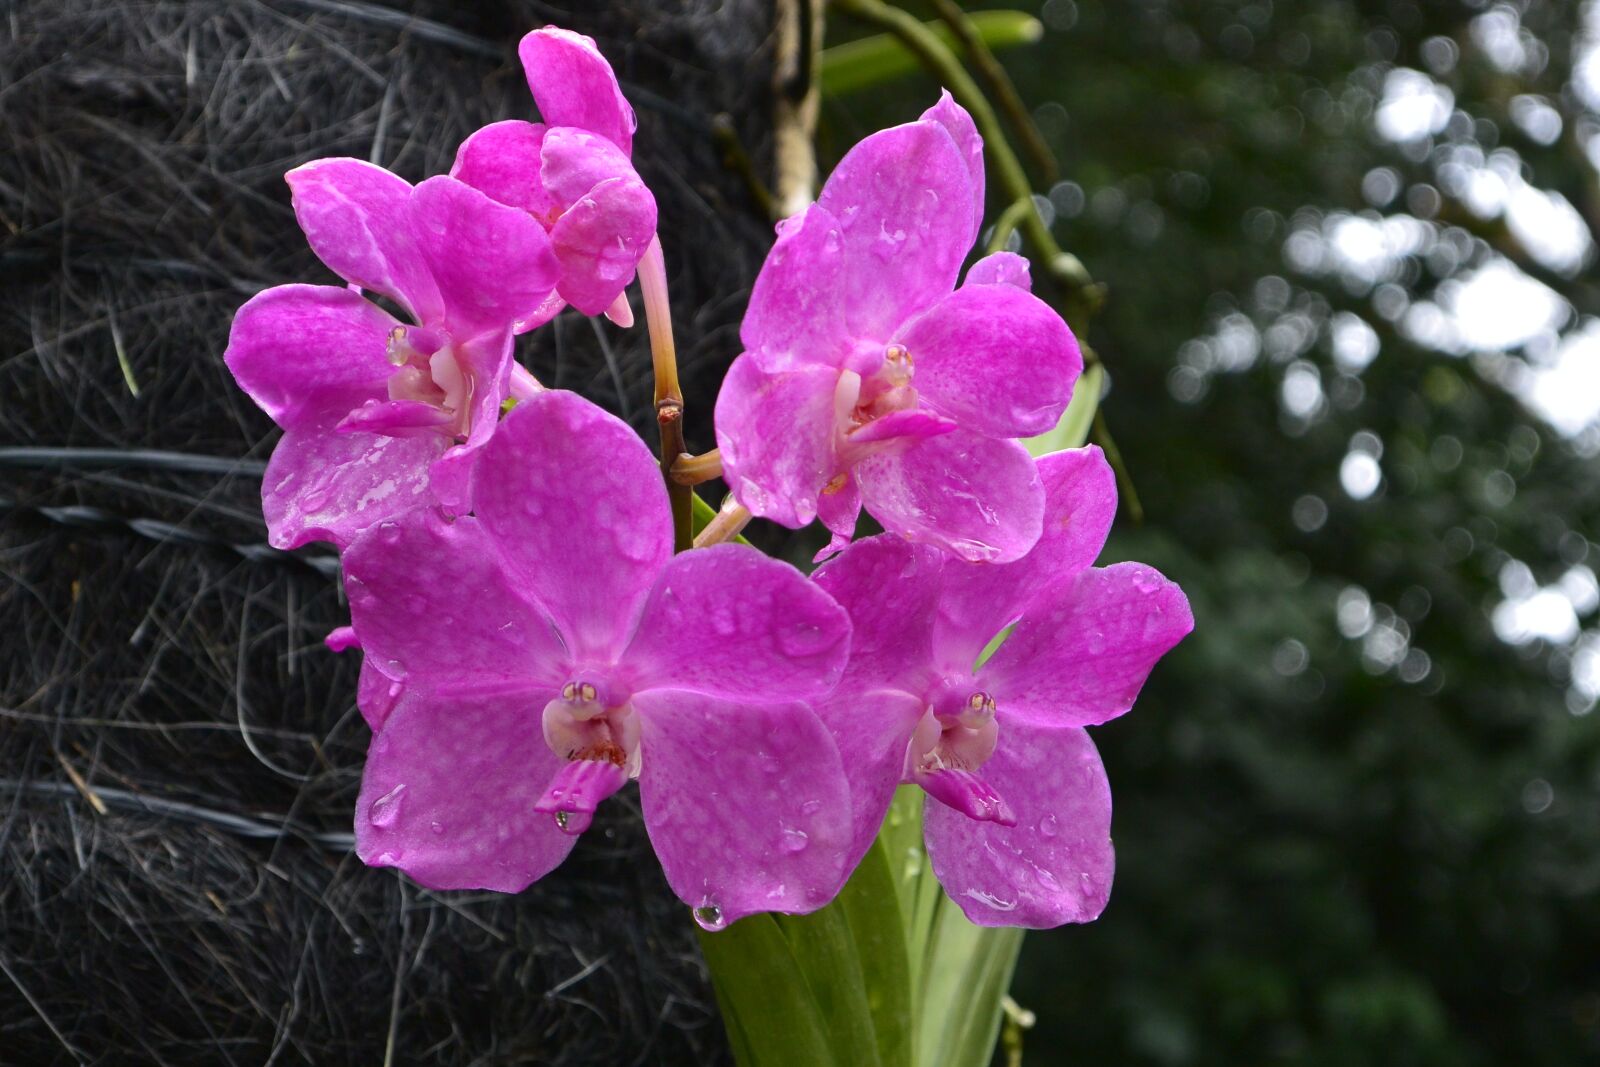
709,916
561,820
386,809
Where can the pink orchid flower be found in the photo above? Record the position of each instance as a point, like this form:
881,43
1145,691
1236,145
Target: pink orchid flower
550,647
379,416
573,172
866,380
1018,829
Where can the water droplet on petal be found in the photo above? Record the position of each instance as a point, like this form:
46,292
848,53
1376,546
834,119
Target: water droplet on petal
315,500
709,916
794,841
830,244
1146,581
386,809
1048,826
811,807
436,826
1047,879
992,901
806,639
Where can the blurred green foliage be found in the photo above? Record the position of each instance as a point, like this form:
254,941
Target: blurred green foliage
1358,821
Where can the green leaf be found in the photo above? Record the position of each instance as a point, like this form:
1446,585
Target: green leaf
871,61
1073,429
767,1004
870,906
829,988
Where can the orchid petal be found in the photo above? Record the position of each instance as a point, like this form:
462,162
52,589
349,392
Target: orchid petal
357,217
376,693
890,588
493,263
435,604
576,502
903,201
959,125
1084,649
484,362
912,423
307,354
977,497
981,599
968,793
838,509
774,425
797,306
449,790
1055,865
871,728
600,240
574,161
321,485
1001,268
996,358
394,417
573,85
769,634
503,161
747,805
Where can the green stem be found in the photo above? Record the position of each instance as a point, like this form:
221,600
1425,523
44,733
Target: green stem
1000,85
1007,224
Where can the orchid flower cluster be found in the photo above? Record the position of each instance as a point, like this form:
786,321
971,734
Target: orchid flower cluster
531,641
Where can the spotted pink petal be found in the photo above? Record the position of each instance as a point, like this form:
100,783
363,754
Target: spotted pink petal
436,606
1083,650
321,485
493,264
747,805
503,160
995,358
902,198
449,790
307,354
357,218
774,422
959,125
576,503
1001,268
981,599
977,497
890,589
574,85
797,306
1055,865
761,631
600,240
